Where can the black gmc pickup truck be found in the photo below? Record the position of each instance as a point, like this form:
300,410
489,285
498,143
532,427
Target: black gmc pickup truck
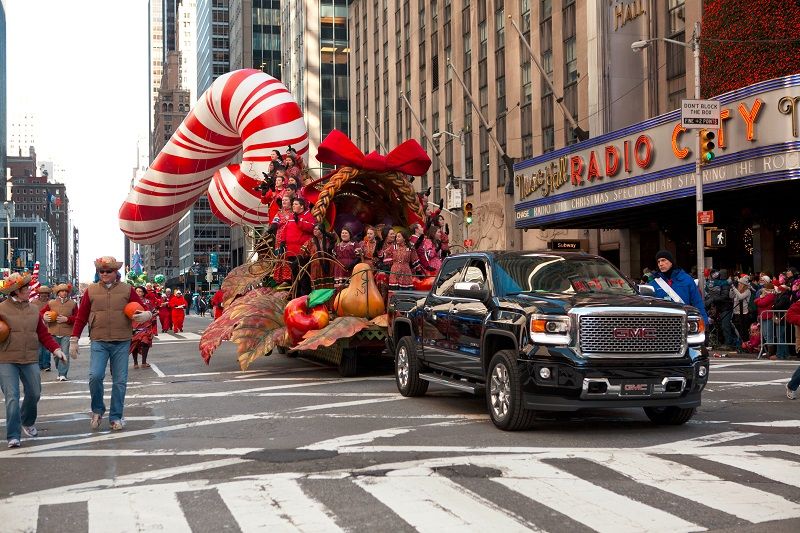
548,331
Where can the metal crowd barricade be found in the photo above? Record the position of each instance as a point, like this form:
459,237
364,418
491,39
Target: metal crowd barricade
775,331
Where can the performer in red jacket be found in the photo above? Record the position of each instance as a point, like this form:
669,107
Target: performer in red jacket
178,305
164,311
216,303
299,229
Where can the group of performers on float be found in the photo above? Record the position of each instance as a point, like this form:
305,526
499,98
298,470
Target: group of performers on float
397,256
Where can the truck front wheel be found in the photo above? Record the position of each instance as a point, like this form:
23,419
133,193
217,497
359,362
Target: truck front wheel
406,369
669,416
504,394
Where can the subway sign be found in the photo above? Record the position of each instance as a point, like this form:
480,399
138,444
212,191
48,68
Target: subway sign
757,142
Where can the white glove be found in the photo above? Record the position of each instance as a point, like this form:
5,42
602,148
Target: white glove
59,354
73,347
61,319
142,316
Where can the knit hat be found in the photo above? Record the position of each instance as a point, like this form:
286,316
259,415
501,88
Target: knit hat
107,262
43,289
14,282
744,279
665,254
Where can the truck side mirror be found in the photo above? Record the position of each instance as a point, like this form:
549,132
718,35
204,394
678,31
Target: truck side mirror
471,290
646,290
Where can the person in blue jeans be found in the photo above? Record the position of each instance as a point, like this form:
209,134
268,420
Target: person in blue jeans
103,304
19,357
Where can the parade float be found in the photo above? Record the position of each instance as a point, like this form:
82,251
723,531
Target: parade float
247,114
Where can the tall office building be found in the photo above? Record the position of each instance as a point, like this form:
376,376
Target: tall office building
186,33
156,52
213,49
316,64
255,35
415,48
37,196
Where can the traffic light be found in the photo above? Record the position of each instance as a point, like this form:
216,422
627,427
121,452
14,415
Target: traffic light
468,213
706,146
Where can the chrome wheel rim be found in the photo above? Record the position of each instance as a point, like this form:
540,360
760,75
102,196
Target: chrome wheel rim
499,391
402,367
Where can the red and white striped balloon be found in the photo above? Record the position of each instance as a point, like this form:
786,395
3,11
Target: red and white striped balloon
244,111
34,283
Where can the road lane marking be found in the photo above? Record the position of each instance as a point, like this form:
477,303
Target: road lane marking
745,502
587,503
432,503
157,370
346,404
774,423
363,438
705,440
31,450
276,504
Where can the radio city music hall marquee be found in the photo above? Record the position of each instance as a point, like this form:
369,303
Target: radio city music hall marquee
653,161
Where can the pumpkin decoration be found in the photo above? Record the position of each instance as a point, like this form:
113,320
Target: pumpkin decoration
299,319
50,316
4,331
362,297
423,284
131,308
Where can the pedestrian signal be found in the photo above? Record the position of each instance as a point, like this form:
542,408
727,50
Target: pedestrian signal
707,146
716,238
468,213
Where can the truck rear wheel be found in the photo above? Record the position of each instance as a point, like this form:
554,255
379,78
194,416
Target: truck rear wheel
504,394
406,369
669,416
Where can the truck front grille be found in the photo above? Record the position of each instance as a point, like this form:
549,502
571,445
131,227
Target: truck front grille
632,335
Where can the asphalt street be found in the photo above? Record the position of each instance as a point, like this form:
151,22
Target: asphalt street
289,445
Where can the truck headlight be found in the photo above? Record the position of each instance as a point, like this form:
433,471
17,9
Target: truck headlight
696,330
546,329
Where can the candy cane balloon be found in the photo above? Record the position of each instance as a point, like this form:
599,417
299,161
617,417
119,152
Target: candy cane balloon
34,283
244,110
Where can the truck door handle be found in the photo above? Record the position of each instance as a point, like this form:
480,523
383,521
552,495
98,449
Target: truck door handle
428,309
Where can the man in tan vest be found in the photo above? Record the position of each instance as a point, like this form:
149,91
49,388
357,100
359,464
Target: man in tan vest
59,315
19,356
104,303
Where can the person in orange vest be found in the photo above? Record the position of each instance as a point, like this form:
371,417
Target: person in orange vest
178,305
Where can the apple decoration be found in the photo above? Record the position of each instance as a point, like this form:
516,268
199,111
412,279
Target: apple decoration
299,319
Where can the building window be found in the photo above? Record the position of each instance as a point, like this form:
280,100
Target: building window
484,147
676,54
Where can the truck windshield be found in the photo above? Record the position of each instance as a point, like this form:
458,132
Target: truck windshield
538,273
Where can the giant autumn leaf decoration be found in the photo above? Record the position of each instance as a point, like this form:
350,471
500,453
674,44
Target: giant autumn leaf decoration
340,328
241,278
260,323
254,322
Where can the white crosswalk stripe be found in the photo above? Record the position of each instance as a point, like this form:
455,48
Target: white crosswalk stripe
428,502
588,503
186,336
418,493
275,505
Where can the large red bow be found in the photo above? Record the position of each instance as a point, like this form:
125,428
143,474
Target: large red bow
408,158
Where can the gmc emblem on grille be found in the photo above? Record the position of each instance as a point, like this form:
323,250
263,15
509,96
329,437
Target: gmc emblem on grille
634,333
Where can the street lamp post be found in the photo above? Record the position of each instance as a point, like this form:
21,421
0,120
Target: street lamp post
694,44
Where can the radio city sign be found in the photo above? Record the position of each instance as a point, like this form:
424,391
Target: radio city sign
758,134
